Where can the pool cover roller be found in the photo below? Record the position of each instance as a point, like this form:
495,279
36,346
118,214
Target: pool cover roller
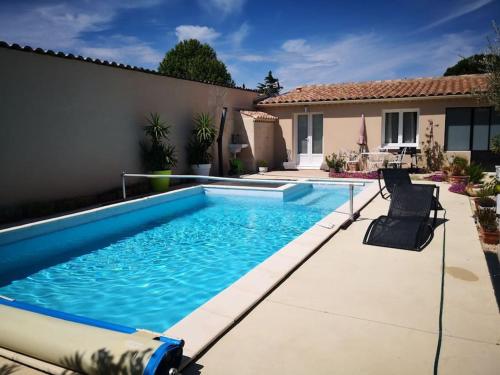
82,344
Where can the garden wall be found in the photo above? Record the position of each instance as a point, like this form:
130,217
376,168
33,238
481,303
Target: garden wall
69,127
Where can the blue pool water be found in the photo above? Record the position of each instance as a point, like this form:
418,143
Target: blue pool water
151,267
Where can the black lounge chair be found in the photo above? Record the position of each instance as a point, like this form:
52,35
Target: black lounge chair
394,177
406,226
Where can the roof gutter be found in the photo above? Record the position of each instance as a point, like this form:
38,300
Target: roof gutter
354,101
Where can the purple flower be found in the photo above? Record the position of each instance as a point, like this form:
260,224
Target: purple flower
367,175
437,178
458,188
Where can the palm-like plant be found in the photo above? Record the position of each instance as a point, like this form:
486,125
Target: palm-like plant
158,156
203,137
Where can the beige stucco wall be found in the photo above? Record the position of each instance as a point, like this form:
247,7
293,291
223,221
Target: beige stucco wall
259,135
69,128
341,122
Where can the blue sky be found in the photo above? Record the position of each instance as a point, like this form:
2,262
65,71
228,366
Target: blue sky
302,42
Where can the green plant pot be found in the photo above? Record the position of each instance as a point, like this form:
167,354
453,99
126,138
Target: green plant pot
161,184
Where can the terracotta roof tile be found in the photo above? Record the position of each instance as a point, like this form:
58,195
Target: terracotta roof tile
400,88
259,115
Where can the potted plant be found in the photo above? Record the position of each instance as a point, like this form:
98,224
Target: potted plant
236,167
485,203
158,157
262,165
458,171
488,226
352,161
334,162
198,147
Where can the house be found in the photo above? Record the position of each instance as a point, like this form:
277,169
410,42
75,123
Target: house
313,121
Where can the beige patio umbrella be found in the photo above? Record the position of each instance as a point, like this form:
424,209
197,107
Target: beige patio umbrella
362,135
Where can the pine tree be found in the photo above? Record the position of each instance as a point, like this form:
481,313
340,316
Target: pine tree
271,85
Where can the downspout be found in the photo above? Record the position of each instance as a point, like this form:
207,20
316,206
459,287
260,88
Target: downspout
219,141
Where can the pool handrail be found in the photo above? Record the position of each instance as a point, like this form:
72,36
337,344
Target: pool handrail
251,180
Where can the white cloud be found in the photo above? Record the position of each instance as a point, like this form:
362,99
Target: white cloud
370,56
124,49
239,35
222,7
295,45
253,58
463,9
202,33
61,27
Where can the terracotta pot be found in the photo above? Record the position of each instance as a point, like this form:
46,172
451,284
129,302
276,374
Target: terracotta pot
489,237
459,180
352,166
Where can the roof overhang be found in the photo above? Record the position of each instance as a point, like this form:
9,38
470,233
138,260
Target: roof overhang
355,101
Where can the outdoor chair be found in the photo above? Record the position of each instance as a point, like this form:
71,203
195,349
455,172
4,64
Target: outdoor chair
397,177
375,160
398,160
406,225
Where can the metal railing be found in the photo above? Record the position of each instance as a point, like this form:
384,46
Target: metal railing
250,180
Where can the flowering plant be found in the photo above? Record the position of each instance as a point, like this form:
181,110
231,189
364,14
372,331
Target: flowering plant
458,188
367,175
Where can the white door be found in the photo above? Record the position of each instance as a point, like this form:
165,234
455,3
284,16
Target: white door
309,130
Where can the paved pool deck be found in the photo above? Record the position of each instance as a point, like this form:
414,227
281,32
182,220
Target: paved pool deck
358,309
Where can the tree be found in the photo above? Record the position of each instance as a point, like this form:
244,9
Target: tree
492,64
271,85
191,59
475,64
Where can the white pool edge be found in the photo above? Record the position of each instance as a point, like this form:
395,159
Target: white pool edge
214,318
211,320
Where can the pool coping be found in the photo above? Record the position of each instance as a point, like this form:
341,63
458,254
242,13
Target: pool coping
210,321
205,325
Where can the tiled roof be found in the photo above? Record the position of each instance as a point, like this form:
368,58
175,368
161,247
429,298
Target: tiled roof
105,63
400,88
259,115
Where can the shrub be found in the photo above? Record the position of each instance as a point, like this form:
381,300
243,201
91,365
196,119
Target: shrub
486,202
201,140
458,188
432,150
488,220
262,163
236,166
458,166
157,156
495,144
335,162
475,172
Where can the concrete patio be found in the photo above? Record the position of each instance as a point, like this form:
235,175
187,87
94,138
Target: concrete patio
356,309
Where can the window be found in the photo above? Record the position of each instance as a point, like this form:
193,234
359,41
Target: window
471,128
400,128
317,133
458,121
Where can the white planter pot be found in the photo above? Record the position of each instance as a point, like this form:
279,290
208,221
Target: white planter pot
201,170
289,165
263,169
497,170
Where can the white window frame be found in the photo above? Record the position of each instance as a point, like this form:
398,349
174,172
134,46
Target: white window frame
400,142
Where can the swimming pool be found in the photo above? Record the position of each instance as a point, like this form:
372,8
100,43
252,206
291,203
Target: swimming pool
151,266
